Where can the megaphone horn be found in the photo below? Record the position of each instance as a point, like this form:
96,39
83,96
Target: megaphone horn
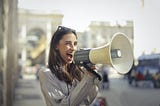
118,53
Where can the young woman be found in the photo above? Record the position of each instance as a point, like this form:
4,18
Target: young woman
64,83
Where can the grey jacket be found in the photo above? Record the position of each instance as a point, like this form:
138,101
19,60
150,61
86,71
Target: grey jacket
58,93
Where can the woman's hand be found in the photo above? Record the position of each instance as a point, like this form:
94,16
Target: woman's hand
91,70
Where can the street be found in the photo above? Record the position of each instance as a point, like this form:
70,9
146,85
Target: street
122,94
28,93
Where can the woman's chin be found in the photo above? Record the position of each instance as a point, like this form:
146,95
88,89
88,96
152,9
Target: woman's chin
69,61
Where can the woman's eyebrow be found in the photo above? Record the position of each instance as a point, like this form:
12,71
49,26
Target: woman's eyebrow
67,41
75,42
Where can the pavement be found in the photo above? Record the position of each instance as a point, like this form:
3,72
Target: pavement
28,92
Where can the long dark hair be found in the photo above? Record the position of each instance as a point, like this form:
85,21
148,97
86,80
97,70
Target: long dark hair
55,61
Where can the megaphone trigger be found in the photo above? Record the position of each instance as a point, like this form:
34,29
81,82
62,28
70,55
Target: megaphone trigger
92,71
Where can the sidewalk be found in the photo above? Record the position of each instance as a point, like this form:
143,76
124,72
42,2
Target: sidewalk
28,93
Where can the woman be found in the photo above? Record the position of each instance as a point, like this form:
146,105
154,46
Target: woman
64,83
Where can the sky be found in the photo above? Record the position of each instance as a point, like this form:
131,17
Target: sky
79,13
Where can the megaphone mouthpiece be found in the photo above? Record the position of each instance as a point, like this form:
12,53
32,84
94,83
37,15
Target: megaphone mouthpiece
81,56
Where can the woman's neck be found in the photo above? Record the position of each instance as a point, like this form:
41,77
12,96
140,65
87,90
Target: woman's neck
65,66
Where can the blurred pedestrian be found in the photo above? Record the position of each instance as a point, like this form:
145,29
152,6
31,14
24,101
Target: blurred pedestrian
156,79
147,75
105,84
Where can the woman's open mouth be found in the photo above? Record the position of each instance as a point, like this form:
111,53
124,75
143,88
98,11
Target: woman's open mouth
70,56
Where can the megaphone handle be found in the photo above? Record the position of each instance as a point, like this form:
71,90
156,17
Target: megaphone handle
92,71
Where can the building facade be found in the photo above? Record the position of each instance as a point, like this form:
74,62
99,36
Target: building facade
100,33
35,31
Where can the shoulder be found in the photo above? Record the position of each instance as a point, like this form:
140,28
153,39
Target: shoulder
45,73
44,70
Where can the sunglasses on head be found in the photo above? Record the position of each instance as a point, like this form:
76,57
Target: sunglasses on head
62,28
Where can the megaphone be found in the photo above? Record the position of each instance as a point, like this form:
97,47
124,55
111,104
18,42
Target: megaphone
118,54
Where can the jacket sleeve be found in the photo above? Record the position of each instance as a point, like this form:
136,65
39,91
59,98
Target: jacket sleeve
85,91
50,89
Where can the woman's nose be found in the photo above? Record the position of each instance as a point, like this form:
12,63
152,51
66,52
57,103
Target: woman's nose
73,47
